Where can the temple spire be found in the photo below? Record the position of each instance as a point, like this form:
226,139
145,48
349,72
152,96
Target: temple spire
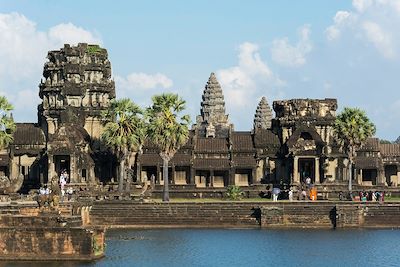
213,109
263,116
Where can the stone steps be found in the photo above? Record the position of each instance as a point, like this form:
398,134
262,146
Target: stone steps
173,214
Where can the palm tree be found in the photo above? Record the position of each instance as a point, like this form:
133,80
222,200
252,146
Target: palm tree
166,130
353,127
7,125
122,119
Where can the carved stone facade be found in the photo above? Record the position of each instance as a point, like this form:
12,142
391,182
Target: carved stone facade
297,143
76,88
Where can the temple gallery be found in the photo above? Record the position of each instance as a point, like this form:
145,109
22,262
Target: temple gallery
290,142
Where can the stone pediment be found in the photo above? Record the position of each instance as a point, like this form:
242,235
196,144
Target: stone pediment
303,145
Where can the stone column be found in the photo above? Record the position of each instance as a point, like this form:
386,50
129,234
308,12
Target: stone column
75,177
296,178
252,178
359,177
51,170
173,174
231,176
211,178
381,177
192,175
316,175
158,177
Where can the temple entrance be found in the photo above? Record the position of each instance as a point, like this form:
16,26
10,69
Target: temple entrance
391,175
62,162
307,169
369,176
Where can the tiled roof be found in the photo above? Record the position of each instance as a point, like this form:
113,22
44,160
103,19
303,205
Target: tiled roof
181,159
211,163
242,141
263,138
211,145
28,134
244,161
390,149
150,159
371,144
367,162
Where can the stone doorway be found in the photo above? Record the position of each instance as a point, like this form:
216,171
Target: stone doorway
391,175
307,169
62,162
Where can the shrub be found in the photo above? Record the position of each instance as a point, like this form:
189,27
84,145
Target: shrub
234,192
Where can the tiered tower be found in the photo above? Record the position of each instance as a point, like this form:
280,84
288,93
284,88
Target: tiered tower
77,86
212,121
263,116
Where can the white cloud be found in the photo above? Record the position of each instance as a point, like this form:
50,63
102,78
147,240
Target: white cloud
369,22
140,86
241,83
381,39
69,33
289,55
362,5
140,80
244,84
23,51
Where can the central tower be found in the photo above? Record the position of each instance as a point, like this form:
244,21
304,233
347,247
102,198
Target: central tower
212,121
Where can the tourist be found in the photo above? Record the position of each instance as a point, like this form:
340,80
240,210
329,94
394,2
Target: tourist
42,191
275,194
66,176
304,194
308,182
373,195
47,190
70,191
290,194
63,182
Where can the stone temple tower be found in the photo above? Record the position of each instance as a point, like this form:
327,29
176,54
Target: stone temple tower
263,116
212,121
77,87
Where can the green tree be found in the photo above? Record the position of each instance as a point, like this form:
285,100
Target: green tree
167,130
122,121
7,125
353,127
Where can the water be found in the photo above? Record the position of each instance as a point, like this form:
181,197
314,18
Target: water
243,247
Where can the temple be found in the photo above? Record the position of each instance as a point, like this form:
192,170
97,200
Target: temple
286,145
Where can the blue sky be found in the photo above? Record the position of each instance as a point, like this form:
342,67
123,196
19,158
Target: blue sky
349,50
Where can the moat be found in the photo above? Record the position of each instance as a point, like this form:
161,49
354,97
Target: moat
245,247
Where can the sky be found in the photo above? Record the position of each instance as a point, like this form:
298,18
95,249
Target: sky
348,50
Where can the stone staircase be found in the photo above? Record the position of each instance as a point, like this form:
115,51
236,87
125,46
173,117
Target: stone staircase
377,215
132,214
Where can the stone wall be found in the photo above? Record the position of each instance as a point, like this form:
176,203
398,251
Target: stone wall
245,214
308,215
50,243
29,234
128,214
